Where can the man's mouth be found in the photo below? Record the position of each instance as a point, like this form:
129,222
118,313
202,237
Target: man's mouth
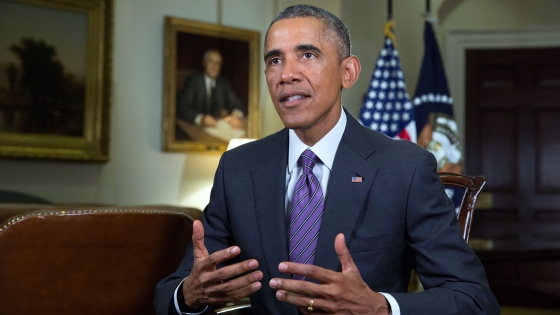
292,98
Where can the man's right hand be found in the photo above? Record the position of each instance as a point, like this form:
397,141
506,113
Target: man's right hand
208,121
208,285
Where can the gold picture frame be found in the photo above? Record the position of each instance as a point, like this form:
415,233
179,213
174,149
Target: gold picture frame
185,45
58,108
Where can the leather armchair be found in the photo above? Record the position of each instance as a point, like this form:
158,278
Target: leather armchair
88,260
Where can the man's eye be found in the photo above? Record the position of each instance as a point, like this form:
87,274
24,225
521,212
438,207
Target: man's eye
274,61
307,55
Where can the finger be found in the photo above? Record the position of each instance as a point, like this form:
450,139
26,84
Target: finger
235,284
298,287
200,250
319,306
309,271
225,297
346,261
209,120
304,301
228,272
216,258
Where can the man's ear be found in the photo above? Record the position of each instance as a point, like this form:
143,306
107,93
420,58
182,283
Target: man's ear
351,71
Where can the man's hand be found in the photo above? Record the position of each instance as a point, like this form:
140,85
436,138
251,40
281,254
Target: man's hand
208,121
234,121
208,285
339,292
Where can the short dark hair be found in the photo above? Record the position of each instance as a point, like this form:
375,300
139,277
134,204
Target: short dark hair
333,25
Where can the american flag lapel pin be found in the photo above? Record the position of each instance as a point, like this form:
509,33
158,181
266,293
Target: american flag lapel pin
356,179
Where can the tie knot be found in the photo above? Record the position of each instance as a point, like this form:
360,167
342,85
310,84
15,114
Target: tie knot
308,160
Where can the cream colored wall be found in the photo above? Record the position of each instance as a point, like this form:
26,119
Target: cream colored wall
140,173
499,13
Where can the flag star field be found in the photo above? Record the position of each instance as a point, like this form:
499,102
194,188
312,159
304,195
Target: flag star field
387,107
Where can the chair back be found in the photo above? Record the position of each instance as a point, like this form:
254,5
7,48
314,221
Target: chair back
98,260
471,185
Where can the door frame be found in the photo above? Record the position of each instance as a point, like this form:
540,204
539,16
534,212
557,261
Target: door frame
458,41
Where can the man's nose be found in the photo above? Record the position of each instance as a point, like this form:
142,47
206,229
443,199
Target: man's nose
291,72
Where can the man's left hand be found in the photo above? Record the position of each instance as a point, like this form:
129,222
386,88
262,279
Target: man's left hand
338,293
234,121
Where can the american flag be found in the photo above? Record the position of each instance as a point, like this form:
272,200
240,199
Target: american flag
356,179
387,107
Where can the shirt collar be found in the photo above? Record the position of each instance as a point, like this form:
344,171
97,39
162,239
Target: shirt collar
323,148
209,81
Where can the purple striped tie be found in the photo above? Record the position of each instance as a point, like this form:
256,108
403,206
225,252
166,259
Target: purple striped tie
306,213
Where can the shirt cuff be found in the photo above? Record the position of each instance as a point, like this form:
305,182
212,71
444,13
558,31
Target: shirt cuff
177,302
239,113
197,121
395,309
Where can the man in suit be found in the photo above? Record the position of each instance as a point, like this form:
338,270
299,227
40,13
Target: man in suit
381,206
208,96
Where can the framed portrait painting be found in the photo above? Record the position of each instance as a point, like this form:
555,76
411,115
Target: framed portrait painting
55,78
211,85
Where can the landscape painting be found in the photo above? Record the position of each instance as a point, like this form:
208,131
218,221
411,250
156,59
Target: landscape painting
42,70
54,92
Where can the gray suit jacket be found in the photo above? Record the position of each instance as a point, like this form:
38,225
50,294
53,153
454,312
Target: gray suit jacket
397,218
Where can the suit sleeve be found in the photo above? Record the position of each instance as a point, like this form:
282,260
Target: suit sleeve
217,236
231,100
452,275
188,99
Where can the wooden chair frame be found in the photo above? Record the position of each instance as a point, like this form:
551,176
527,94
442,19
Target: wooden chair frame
472,185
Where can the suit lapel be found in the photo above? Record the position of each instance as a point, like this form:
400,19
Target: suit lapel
269,185
345,199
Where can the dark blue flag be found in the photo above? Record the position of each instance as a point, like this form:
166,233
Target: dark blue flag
433,109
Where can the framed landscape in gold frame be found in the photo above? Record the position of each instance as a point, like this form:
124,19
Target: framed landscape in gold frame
211,85
55,79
